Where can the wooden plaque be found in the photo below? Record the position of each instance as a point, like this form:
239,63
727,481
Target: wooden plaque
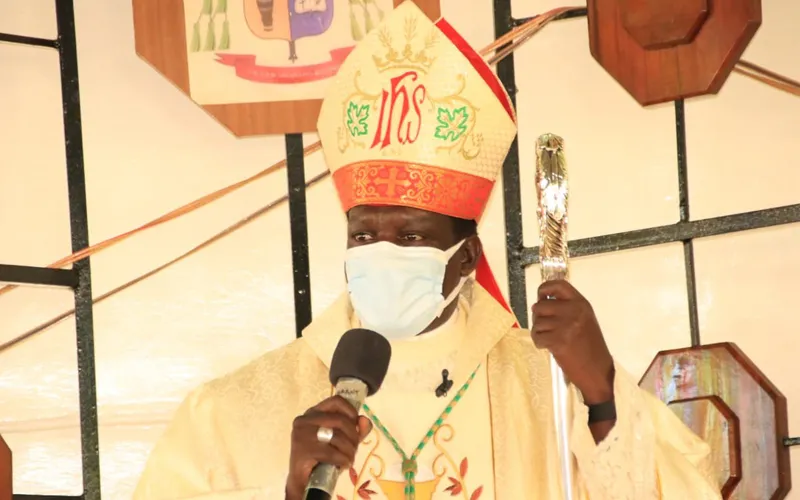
711,418
258,66
662,50
6,475
689,379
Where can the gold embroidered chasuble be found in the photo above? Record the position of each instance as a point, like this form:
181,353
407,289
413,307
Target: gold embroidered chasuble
230,438
457,459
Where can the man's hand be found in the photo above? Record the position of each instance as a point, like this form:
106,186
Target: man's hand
349,429
568,328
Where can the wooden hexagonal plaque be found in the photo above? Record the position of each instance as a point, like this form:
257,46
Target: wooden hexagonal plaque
258,66
662,50
722,371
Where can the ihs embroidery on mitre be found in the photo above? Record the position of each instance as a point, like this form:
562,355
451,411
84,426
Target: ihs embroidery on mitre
405,101
445,478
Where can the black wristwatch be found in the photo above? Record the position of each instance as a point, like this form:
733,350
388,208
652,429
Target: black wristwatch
602,412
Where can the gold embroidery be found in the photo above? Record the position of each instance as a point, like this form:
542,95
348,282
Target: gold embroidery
358,478
468,144
443,455
358,97
407,58
380,463
457,472
421,186
445,434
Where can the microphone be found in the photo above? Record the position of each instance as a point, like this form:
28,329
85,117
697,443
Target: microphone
358,367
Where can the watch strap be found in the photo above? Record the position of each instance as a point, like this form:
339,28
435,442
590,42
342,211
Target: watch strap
602,412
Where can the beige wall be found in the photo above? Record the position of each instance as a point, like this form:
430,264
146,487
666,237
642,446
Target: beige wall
149,149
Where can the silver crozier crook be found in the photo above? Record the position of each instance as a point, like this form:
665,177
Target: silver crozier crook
552,190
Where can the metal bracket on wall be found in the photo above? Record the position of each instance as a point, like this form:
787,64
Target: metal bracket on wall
298,222
28,275
79,277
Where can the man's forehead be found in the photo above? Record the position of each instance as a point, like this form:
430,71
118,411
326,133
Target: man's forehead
364,213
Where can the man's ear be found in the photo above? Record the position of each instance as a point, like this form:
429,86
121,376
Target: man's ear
470,251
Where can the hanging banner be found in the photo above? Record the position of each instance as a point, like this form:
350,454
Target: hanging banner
258,66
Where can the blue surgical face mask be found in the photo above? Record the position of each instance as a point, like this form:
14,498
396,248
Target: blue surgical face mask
397,291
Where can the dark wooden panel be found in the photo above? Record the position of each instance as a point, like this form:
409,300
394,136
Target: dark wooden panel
662,51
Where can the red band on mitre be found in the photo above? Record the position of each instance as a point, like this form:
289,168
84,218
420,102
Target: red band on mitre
393,182
483,273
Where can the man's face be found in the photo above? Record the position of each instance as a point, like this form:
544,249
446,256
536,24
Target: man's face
405,226
402,226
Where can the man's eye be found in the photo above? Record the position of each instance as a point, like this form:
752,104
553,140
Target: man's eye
412,237
362,237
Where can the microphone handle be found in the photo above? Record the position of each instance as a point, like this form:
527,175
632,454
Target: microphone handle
324,477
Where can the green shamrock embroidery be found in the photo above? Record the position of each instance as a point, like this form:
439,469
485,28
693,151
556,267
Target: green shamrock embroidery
357,119
452,123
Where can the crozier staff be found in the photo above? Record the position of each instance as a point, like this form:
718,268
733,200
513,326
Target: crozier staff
415,128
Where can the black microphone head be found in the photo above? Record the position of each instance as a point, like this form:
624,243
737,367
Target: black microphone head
361,354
